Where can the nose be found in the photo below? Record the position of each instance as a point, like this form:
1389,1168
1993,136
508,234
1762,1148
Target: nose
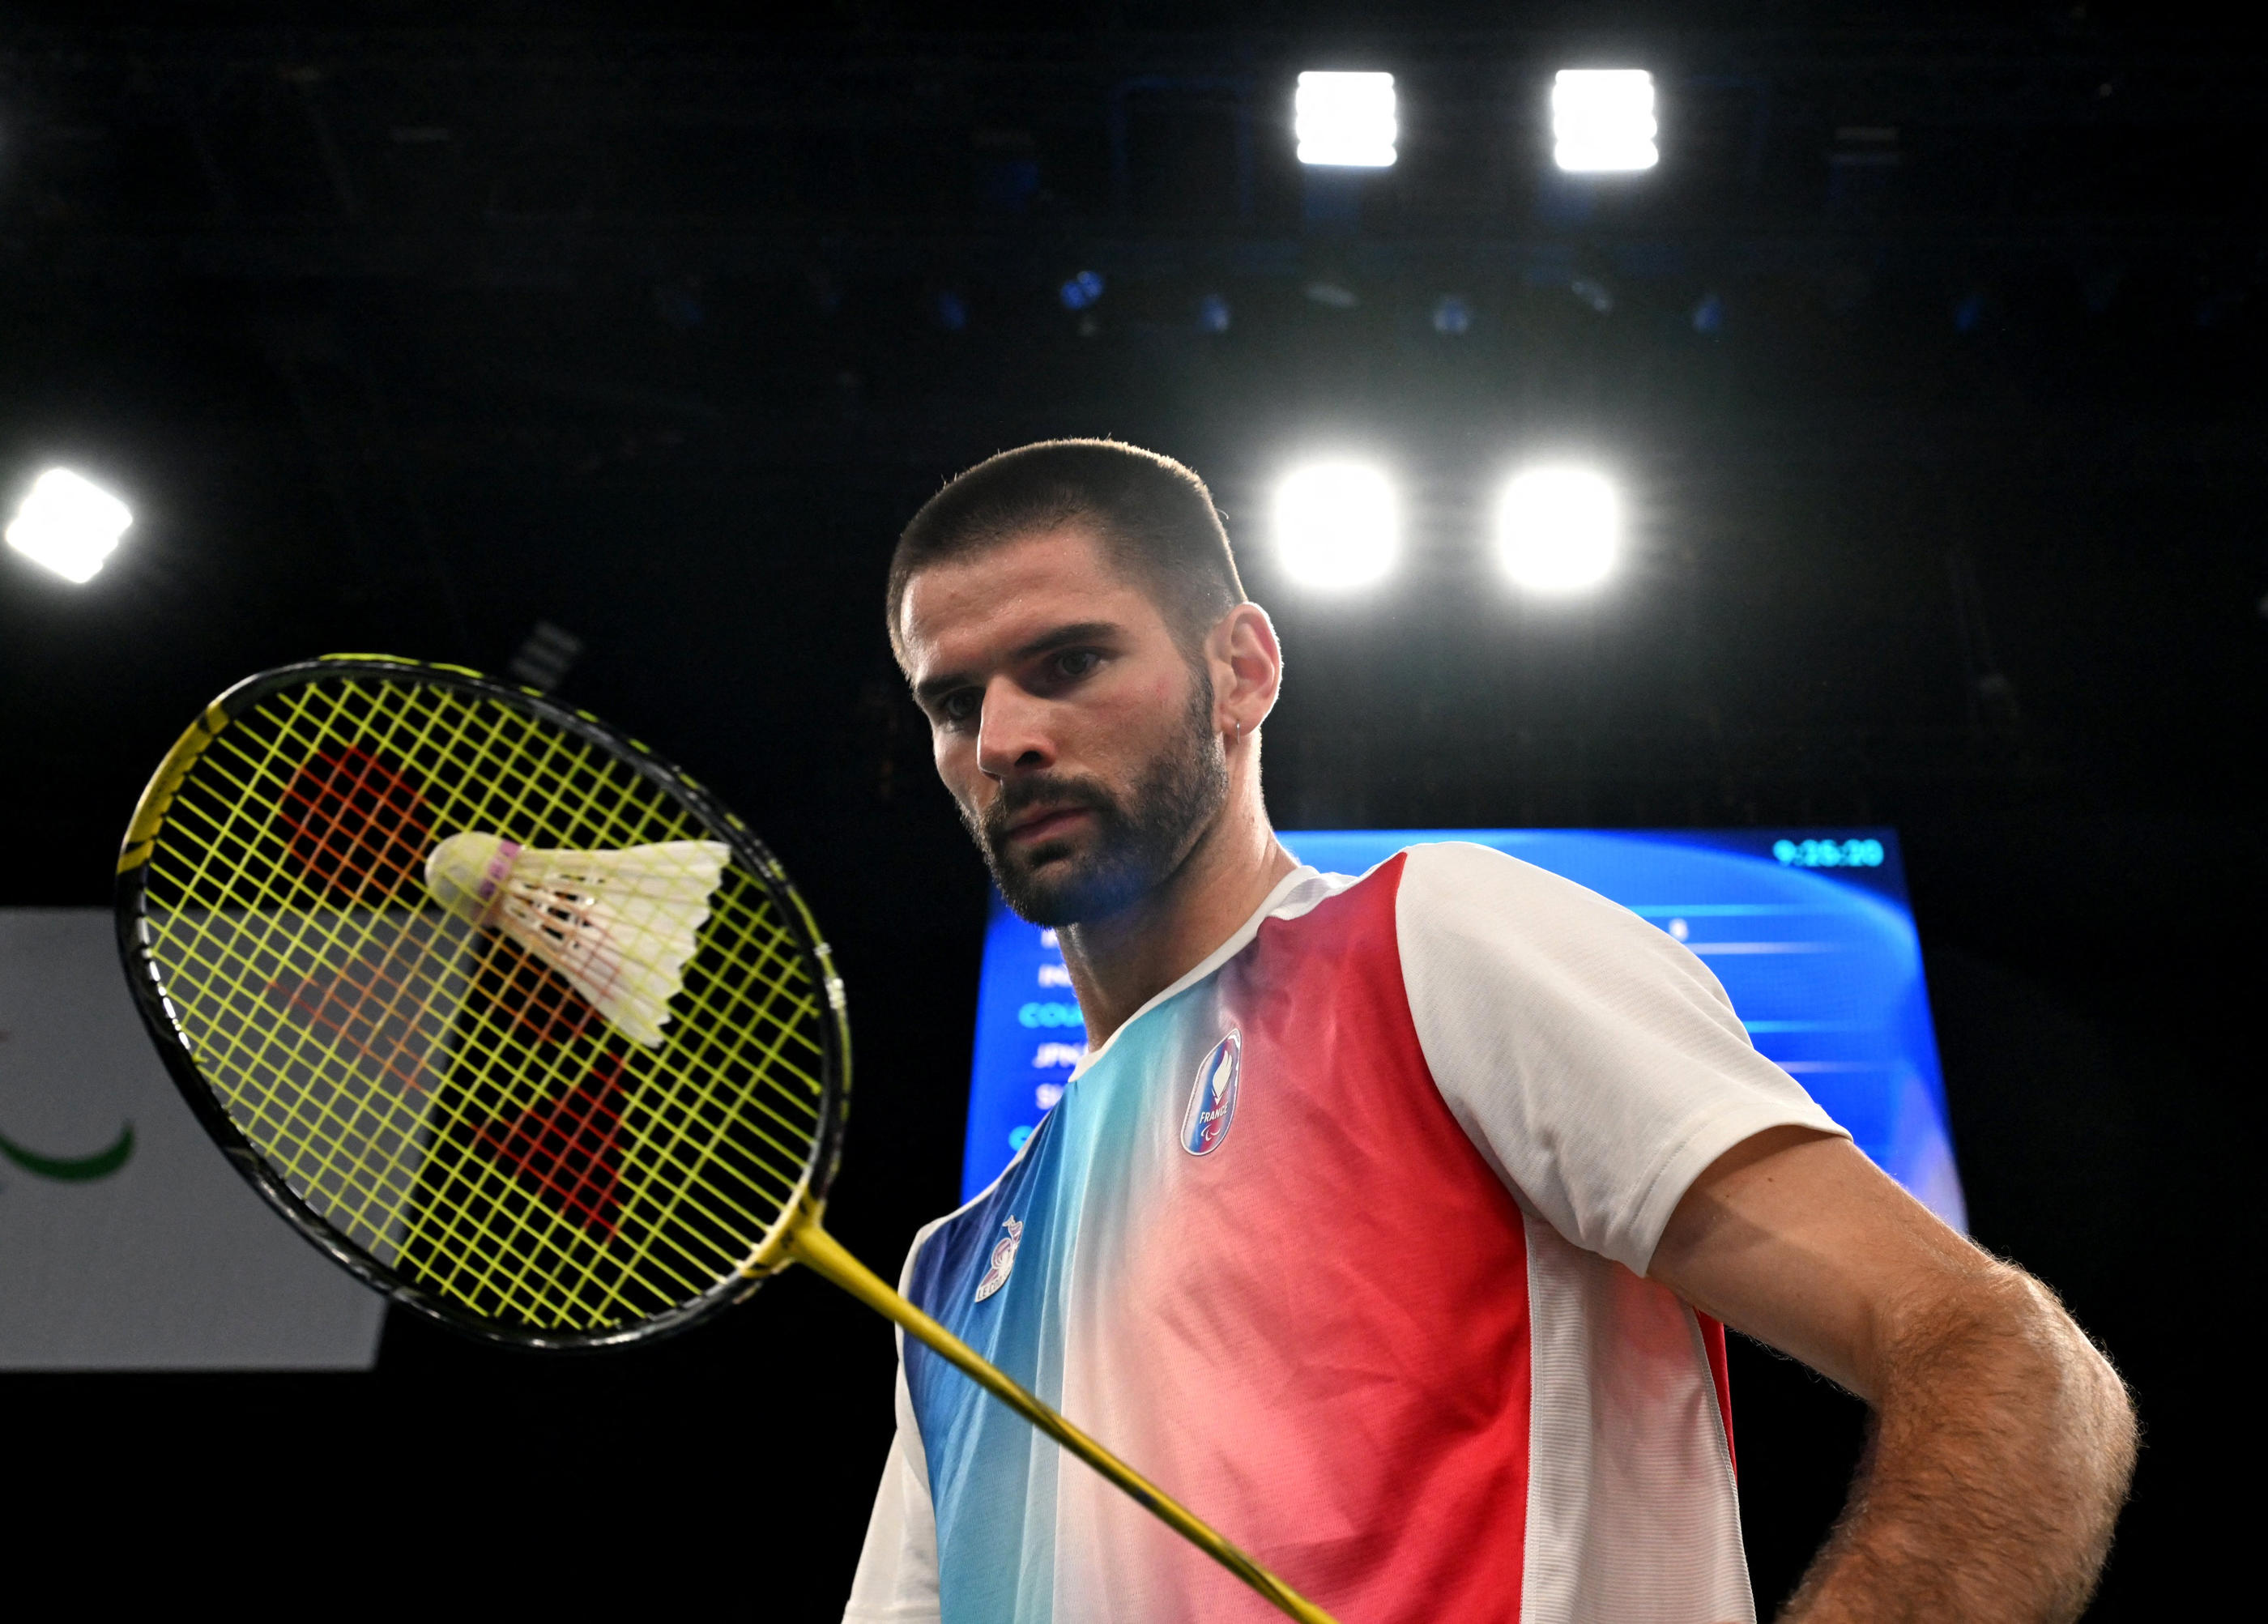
1012,737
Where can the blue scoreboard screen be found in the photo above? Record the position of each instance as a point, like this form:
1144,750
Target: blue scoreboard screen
1808,930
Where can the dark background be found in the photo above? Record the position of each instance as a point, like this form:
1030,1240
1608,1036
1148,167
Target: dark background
1930,360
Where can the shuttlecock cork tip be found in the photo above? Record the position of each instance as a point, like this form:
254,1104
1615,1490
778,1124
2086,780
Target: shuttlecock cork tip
466,874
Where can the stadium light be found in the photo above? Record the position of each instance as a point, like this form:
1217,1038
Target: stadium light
67,525
1602,120
1336,525
1345,120
1558,530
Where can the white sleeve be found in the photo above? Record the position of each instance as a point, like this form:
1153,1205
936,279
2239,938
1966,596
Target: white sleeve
1596,1064
897,1569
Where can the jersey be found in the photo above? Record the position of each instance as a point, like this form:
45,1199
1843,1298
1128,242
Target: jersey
1341,1240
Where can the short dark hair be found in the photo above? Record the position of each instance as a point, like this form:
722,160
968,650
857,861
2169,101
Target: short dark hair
1155,520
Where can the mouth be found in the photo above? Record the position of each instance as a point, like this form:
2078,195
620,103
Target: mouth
1044,823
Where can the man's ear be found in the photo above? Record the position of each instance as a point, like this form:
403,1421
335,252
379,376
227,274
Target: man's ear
1243,649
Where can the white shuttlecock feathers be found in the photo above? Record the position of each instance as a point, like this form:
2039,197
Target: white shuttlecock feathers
619,925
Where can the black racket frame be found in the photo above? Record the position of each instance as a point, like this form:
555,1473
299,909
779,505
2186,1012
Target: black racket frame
143,977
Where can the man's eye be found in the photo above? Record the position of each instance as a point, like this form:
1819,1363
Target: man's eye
957,707
1076,662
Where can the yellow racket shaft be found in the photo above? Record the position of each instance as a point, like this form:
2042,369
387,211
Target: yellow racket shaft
809,1243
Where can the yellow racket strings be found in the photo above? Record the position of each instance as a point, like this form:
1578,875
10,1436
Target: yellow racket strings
300,1111
700,1147
228,864
743,1214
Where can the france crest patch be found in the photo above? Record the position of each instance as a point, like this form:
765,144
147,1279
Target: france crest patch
1003,1260
1213,1098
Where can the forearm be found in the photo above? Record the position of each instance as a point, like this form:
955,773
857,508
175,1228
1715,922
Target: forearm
2001,1447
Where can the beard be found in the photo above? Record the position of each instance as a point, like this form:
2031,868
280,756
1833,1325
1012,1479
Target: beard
1138,839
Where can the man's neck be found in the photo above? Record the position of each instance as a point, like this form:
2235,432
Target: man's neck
1119,963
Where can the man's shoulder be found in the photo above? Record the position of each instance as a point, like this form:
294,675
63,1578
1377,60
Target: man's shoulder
1445,882
945,1243
1443,891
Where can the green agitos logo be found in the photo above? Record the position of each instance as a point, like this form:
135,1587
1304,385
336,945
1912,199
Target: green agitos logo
71,1168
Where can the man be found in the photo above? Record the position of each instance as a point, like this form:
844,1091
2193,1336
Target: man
1392,1223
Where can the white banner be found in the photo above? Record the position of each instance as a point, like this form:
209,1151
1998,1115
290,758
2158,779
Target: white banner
126,1240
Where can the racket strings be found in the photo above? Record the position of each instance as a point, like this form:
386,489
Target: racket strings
229,854
523,1167
262,1104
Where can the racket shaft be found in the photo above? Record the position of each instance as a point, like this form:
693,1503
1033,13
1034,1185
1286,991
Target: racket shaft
811,1244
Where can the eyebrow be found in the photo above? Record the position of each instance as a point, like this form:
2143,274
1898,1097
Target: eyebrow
1046,642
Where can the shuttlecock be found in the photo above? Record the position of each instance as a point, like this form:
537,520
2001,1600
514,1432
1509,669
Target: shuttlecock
619,925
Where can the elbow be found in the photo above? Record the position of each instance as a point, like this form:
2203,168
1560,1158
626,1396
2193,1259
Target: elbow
2090,1401
2003,1444
2004,1356
2085,1446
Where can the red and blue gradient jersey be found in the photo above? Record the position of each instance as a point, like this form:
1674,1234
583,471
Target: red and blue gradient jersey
1341,1240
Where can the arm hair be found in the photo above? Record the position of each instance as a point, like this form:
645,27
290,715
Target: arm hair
1998,1459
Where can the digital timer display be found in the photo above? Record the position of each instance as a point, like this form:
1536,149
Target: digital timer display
1859,853
1808,933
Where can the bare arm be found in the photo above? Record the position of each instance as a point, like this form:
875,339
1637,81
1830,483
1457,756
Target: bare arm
2002,1441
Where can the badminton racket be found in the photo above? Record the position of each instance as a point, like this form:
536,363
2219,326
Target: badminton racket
509,1016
